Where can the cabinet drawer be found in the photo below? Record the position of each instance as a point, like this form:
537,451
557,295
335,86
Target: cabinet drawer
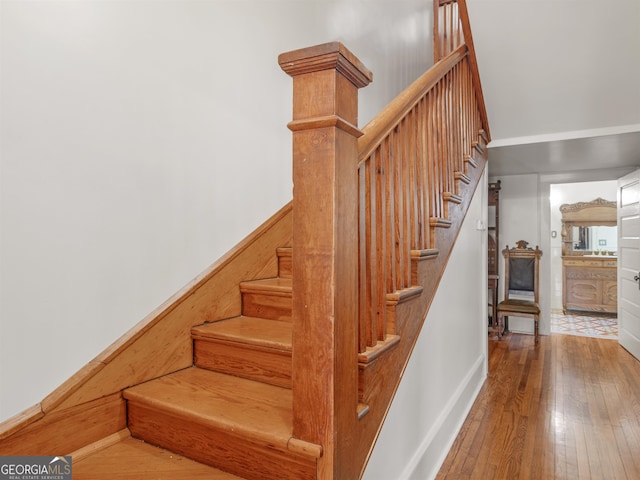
590,263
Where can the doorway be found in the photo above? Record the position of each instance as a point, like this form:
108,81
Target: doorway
575,321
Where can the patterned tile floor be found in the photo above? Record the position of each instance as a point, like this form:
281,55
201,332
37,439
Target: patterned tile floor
584,325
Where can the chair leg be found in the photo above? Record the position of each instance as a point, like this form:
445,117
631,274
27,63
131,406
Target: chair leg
499,325
535,329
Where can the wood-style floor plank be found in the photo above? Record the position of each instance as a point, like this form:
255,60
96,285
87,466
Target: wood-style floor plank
567,408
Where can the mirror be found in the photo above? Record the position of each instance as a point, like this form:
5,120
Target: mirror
589,228
603,239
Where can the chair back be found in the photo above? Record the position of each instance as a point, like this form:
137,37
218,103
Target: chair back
522,269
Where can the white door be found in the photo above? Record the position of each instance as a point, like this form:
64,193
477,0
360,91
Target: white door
629,262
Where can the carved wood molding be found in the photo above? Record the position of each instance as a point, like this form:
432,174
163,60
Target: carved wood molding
593,274
577,207
328,56
583,214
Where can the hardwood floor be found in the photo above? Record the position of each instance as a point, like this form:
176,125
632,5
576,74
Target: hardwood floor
566,409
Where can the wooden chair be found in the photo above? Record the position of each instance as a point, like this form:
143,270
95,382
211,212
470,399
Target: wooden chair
521,275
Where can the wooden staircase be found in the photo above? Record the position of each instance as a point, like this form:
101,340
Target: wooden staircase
229,416
257,344
233,409
281,360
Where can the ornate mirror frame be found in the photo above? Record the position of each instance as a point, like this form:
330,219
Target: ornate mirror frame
584,214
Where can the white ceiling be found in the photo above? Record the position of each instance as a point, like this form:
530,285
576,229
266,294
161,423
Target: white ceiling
561,80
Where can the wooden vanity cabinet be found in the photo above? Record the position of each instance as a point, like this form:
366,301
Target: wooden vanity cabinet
589,264
590,284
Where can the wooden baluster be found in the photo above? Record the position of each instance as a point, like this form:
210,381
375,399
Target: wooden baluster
408,179
397,210
448,135
326,79
414,181
424,159
437,32
428,156
457,27
465,114
437,152
445,29
457,118
453,149
477,122
419,180
457,105
400,189
432,161
421,184
439,132
387,155
453,119
466,108
452,35
380,276
448,116
366,256
442,143
403,187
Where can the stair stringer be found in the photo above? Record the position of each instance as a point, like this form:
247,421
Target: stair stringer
89,406
380,379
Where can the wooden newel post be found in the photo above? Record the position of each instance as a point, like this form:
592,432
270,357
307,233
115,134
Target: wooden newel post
326,79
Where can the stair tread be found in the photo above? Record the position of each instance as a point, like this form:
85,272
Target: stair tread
236,405
248,330
276,284
131,458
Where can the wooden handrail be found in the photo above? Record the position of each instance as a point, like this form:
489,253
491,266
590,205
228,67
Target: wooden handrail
388,118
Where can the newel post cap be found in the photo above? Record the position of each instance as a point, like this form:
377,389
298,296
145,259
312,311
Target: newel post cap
333,55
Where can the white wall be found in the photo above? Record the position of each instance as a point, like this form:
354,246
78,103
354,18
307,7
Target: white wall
447,368
142,140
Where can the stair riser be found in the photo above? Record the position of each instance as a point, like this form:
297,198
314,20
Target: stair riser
267,305
265,365
217,448
284,264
